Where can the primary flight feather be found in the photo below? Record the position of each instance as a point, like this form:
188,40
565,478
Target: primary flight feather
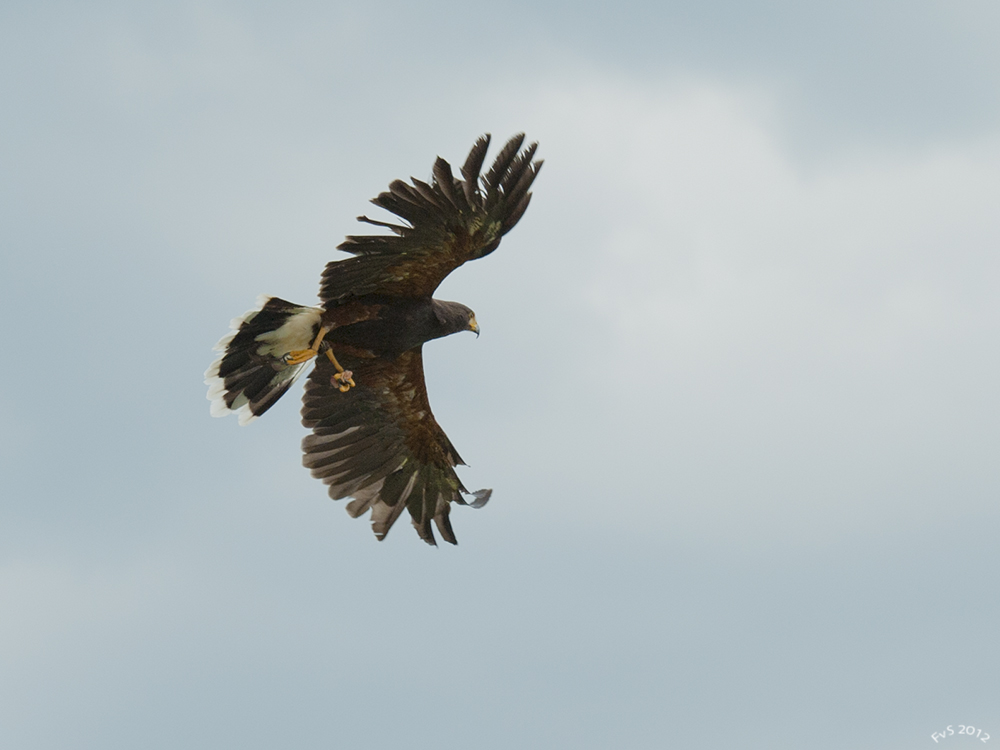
374,438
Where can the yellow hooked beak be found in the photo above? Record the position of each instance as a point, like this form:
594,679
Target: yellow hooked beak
473,325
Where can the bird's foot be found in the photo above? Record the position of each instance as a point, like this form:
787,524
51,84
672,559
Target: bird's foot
299,356
343,381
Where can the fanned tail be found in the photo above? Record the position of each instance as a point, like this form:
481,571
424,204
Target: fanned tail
251,375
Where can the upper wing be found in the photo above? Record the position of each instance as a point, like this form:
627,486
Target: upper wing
447,223
380,444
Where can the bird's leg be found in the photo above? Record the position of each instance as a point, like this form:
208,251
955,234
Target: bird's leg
342,379
299,356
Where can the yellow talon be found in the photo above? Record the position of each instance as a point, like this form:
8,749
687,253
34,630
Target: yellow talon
299,356
342,379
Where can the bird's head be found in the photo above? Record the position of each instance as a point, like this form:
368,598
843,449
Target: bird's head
454,317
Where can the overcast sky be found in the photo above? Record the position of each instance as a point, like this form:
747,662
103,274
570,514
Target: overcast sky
736,390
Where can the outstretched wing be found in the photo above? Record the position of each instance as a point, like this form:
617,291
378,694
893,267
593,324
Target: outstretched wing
380,444
446,222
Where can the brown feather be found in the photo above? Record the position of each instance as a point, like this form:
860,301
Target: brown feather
381,429
448,226
503,160
471,169
444,180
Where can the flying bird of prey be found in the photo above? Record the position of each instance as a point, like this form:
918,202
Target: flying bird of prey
374,438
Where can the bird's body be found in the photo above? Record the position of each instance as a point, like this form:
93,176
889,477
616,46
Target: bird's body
395,325
374,436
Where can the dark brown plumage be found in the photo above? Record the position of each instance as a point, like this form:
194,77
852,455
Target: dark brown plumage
378,442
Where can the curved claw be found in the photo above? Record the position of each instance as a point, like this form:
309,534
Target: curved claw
343,380
299,356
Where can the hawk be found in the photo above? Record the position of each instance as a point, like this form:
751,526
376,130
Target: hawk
374,438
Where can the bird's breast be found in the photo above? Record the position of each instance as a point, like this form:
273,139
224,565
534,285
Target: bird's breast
390,327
